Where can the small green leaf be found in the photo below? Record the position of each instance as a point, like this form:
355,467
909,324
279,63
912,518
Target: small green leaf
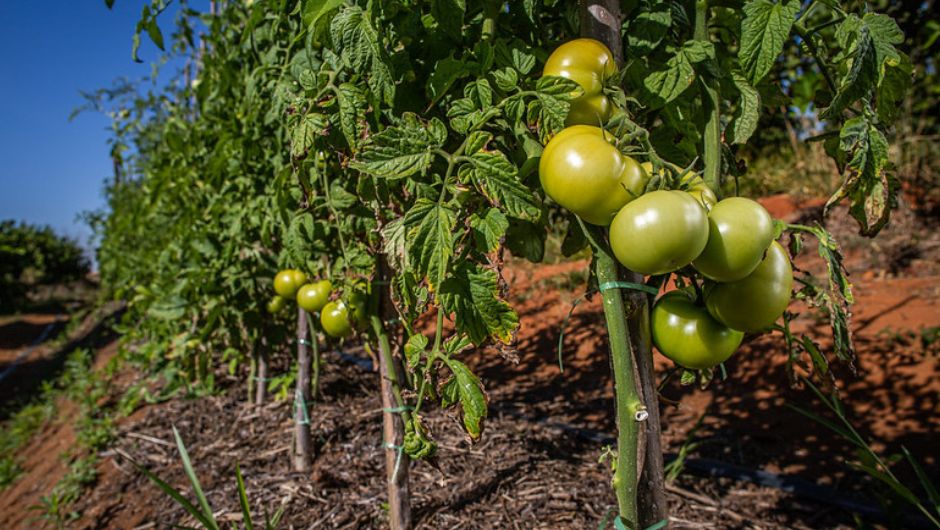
313,10
446,72
506,79
415,347
667,84
352,110
304,133
867,183
526,240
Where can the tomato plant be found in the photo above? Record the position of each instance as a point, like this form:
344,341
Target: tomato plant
396,149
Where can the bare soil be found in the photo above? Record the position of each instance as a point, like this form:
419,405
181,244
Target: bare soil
537,465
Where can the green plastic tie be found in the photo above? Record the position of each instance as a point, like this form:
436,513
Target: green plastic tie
300,402
629,285
405,408
304,342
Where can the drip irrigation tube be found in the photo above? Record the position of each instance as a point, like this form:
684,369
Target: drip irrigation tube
25,353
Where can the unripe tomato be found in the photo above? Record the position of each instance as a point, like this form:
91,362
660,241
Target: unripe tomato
357,305
757,301
334,318
587,62
695,186
659,232
739,231
588,110
582,171
313,296
287,281
300,277
277,304
687,334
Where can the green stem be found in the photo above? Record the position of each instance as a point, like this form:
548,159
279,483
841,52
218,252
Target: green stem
385,350
627,396
490,12
710,105
432,357
315,356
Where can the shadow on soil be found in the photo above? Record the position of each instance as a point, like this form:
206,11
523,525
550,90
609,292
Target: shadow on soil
748,421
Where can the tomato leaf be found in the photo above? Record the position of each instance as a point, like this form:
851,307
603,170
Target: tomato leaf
473,400
867,183
359,45
449,15
746,113
668,83
402,150
498,180
472,294
868,48
646,27
764,30
415,347
431,232
489,229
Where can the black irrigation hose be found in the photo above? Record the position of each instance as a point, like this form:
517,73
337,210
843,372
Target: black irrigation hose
716,468
25,353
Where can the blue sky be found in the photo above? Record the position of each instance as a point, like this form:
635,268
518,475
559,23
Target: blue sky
52,169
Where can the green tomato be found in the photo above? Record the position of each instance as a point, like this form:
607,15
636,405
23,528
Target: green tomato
277,304
739,231
660,232
588,110
313,296
300,277
585,61
583,172
695,186
287,281
687,334
334,319
757,301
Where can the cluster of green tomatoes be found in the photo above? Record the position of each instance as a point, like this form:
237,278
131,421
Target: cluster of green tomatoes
337,317
745,275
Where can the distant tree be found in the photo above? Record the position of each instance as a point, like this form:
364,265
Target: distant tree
32,255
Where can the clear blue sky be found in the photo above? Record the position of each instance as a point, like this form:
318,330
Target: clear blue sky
52,169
